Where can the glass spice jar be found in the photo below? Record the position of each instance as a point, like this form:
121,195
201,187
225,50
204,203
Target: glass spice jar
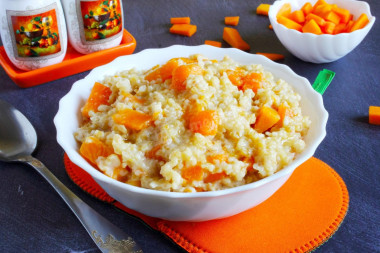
33,32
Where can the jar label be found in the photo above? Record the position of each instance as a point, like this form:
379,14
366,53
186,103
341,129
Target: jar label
99,21
35,33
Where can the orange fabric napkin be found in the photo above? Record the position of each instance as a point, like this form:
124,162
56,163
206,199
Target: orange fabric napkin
304,213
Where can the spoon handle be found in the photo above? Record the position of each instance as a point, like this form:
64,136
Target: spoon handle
107,236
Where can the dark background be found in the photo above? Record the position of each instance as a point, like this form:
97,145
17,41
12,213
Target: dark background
33,218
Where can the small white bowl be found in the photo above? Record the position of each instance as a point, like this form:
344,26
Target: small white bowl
325,47
199,206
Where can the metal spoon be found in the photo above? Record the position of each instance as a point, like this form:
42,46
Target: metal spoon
18,139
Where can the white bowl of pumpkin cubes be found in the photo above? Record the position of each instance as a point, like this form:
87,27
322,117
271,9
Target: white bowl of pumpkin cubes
320,31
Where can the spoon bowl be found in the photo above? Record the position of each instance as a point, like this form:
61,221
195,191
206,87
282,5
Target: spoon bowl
18,140
17,135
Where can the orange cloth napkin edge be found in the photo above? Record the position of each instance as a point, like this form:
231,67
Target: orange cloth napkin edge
303,214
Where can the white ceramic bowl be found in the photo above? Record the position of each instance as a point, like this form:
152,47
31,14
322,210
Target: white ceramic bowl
198,206
325,47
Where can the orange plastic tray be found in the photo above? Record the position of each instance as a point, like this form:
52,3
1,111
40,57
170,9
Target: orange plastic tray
73,63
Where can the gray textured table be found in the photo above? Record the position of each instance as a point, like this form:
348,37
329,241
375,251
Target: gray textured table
34,219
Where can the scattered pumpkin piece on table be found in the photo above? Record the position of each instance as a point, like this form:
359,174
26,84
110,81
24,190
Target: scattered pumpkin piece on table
132,119
272,56
180,20
213,43
232,20
263,9
99,96
374,115
183,29
233,38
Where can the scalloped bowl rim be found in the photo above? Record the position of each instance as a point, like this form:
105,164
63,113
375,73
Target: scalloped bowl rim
276,5
97,75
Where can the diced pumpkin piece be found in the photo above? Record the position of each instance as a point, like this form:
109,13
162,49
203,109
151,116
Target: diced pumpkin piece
329,28
349,26
120,174
183,29
361,22
285,10
289,23
152,154
331,17
164,72
319,2
134,183
132,98
180,20
339,28
297,16
181,73
283,111
272,56
213,43
270,27
233,38
252,81
263,9
311,27
99,96
193,173
374,115
236,76
344,14
265,119
319,20
132,119
217,157
322,9
250,161
307,8
92,148
232,20
204,122
211,178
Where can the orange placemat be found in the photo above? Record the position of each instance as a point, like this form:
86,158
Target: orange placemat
304,213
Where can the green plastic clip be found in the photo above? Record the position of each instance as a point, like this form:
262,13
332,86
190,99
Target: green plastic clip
323,80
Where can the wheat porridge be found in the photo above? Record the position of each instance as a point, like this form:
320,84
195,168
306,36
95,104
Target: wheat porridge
192,124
